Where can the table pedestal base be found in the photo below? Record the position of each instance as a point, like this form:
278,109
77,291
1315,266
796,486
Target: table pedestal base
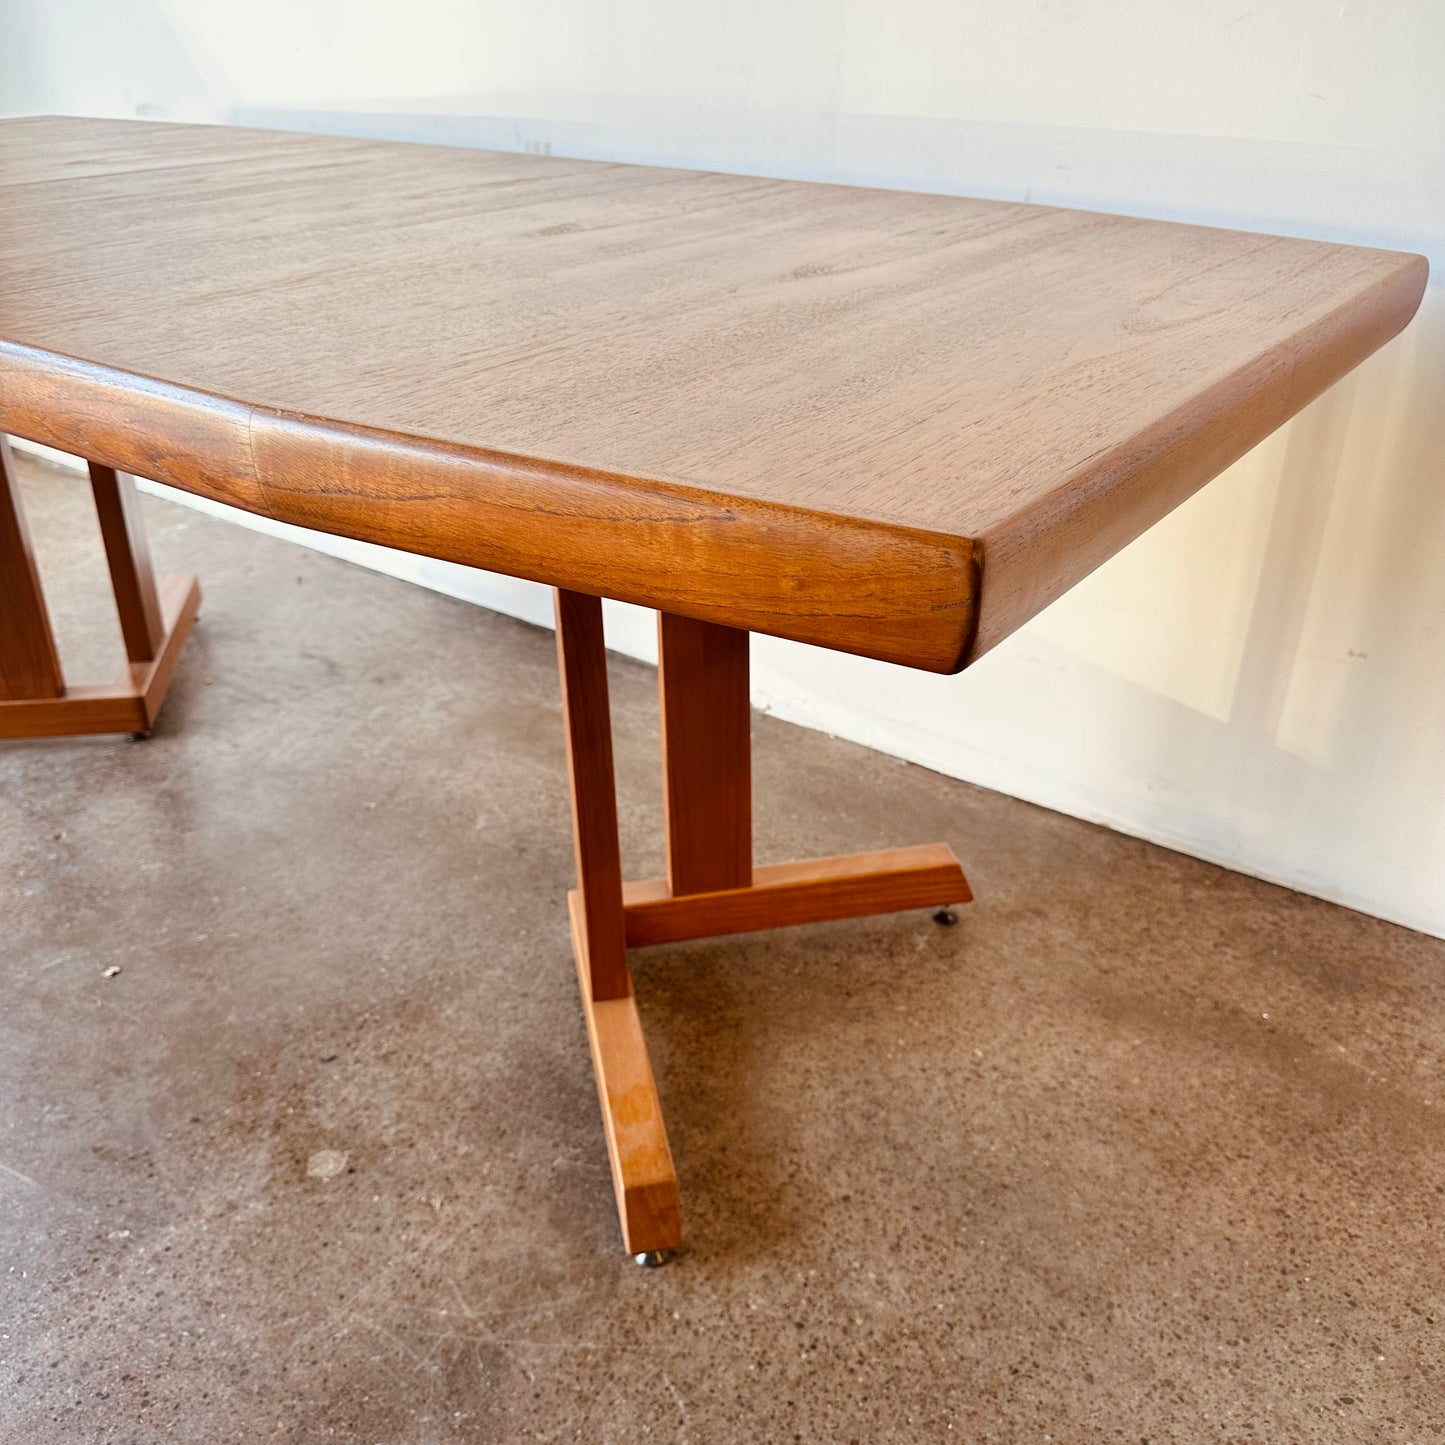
154,621
712,886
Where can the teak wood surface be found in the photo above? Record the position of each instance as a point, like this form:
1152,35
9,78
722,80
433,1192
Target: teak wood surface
888,423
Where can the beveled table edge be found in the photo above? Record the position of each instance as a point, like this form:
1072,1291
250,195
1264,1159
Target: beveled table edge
876,589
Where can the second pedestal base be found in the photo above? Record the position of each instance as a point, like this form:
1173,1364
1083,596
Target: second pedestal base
129,704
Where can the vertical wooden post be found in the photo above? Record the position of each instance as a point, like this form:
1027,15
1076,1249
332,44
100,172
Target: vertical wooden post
643,1176
582,661
702,678
29,663
136,601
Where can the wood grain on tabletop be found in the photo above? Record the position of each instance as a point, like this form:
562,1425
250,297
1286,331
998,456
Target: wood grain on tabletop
893,423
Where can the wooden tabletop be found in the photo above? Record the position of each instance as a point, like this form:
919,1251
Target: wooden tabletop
890,423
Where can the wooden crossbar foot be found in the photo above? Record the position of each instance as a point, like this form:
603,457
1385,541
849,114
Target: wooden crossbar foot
852,886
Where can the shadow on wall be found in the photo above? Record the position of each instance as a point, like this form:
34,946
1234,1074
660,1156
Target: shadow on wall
1330,746
1354,579
104,59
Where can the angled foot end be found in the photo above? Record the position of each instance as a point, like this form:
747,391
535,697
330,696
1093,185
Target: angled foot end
643,1175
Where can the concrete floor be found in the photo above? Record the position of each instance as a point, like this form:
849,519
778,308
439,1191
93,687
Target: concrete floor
1142,1151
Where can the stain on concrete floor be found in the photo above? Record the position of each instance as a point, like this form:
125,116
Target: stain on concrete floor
1141,1151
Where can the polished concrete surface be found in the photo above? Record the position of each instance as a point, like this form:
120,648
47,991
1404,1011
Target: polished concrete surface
1139,1151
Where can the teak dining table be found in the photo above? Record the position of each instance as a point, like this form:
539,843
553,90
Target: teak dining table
885,423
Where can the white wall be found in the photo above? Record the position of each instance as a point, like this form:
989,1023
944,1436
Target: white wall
1261,679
